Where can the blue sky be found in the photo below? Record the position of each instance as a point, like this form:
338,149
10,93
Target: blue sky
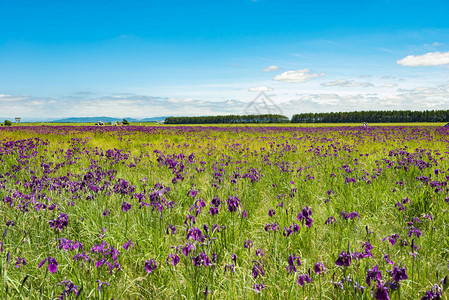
160,58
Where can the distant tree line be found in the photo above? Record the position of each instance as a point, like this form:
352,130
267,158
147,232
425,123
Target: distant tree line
379,116
371,116
230,119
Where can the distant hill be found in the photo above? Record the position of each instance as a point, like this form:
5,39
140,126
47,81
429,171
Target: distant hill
106,119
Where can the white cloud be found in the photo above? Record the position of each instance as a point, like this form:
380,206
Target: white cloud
428,59
260,89
271,69
389,85
302,75
434,44
347,83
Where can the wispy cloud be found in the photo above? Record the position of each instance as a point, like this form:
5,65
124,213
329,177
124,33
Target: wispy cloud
260,89
142,106
272,68
428,59
389,85
347,83
302,75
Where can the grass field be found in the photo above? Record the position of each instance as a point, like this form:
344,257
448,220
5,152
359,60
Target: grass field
224,212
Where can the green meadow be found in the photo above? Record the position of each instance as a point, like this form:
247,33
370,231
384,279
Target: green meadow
296,211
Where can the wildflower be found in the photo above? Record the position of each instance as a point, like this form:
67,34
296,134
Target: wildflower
373,274
304,278
128,244
233,204
193,193
392,238
213,211
399,273
319,268
195,234
292,261
344,259
230,267
387,259
171,228
59,223
435,292
271,212
248,244
201,259
100,284
414,231
258,269
258,287
20,261
330,220
126,206
52,264
69,288
381,292
187,248
259,252
305,215
173,259
150,265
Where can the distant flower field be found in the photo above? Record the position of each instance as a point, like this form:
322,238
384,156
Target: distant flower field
224,212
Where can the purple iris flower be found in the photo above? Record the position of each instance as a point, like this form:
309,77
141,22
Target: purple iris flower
100,284
258,287
381,292
126,206
292,262
59,223
387,259
173,259
213,211
193,193
344,259
230,267
414,231
195,234
330,220
305,215
373,274
171,228
392,238
70,287
20,261
52,264
399,273
248,244
187,248
150,265
233,204
258,268
304,278
319,268
128,244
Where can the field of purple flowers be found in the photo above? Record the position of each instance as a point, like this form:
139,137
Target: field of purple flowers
224,212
